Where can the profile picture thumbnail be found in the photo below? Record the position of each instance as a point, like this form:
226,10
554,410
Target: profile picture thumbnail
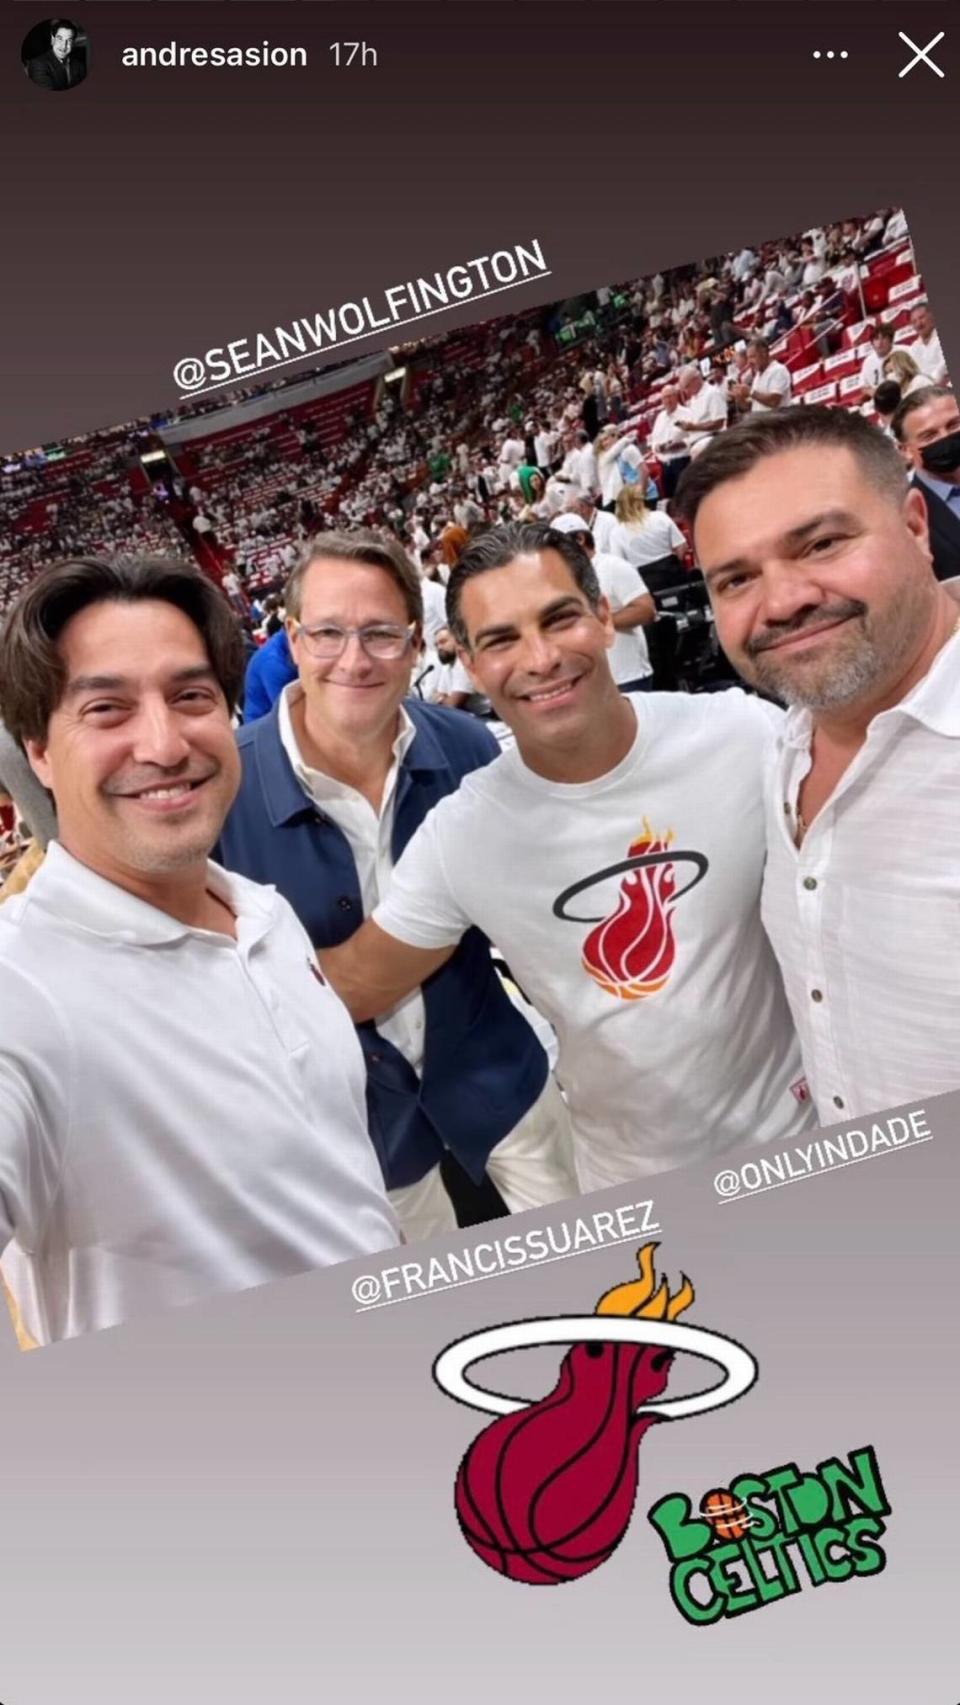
54,54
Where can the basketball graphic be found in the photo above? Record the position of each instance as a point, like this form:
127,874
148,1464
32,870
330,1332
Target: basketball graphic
727,1515
545,1493
631,952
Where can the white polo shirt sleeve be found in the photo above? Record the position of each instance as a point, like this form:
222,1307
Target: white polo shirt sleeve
421,906
35,1084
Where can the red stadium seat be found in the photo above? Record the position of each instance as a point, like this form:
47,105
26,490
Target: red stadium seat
875,294
841,365
909,289
799,340
807,378
823,394
851,390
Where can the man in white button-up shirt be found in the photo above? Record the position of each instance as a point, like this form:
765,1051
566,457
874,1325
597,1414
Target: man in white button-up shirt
817,556
181,1094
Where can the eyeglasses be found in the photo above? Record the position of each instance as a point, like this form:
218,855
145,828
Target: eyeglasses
383,640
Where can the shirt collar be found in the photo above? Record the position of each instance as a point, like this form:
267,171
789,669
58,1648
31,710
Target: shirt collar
941,488
75,895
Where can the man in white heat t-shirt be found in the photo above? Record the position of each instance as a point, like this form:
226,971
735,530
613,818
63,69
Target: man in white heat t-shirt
616,858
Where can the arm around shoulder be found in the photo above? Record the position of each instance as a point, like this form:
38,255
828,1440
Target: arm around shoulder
373,970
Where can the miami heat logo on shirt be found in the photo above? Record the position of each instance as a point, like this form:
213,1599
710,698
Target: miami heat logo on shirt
631,952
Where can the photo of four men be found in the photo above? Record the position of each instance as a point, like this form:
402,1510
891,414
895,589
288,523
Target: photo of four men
256,1012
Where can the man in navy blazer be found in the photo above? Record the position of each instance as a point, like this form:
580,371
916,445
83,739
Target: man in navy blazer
337,777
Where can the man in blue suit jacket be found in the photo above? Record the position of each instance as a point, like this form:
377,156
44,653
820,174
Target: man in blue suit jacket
337,777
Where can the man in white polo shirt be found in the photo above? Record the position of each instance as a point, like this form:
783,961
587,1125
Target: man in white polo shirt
668,441
616,857
703,409
770,386
181,1094
926,351
817,556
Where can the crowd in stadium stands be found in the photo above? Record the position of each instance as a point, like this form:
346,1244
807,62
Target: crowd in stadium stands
523,416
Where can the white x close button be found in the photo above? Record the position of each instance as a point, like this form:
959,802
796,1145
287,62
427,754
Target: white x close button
921,54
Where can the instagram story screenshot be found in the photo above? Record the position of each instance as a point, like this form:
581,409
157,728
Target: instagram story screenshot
479,792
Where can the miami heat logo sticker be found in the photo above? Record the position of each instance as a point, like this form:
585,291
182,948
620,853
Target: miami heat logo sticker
630,953
545,1493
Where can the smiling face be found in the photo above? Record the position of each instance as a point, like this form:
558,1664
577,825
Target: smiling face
537,649
139,753
63,41
354,697
821,582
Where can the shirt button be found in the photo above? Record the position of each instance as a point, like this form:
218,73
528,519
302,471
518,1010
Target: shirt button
810,882
816,994
838,1101
786,808
345,903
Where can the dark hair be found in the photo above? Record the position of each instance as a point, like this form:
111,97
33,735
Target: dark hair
378,550
917,399
502,545
62,24
734,453
886,397
32,671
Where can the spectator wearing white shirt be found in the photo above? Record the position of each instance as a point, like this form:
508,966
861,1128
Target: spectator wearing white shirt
847,274
817,555
703,411
643,535
631,608
743,264
668,441
872,368
813,266
511,455
601,522
545,448
580,466
901,367
927,352
618,461
419,540
771,385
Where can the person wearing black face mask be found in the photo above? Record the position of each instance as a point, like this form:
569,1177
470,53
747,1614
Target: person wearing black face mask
927,428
